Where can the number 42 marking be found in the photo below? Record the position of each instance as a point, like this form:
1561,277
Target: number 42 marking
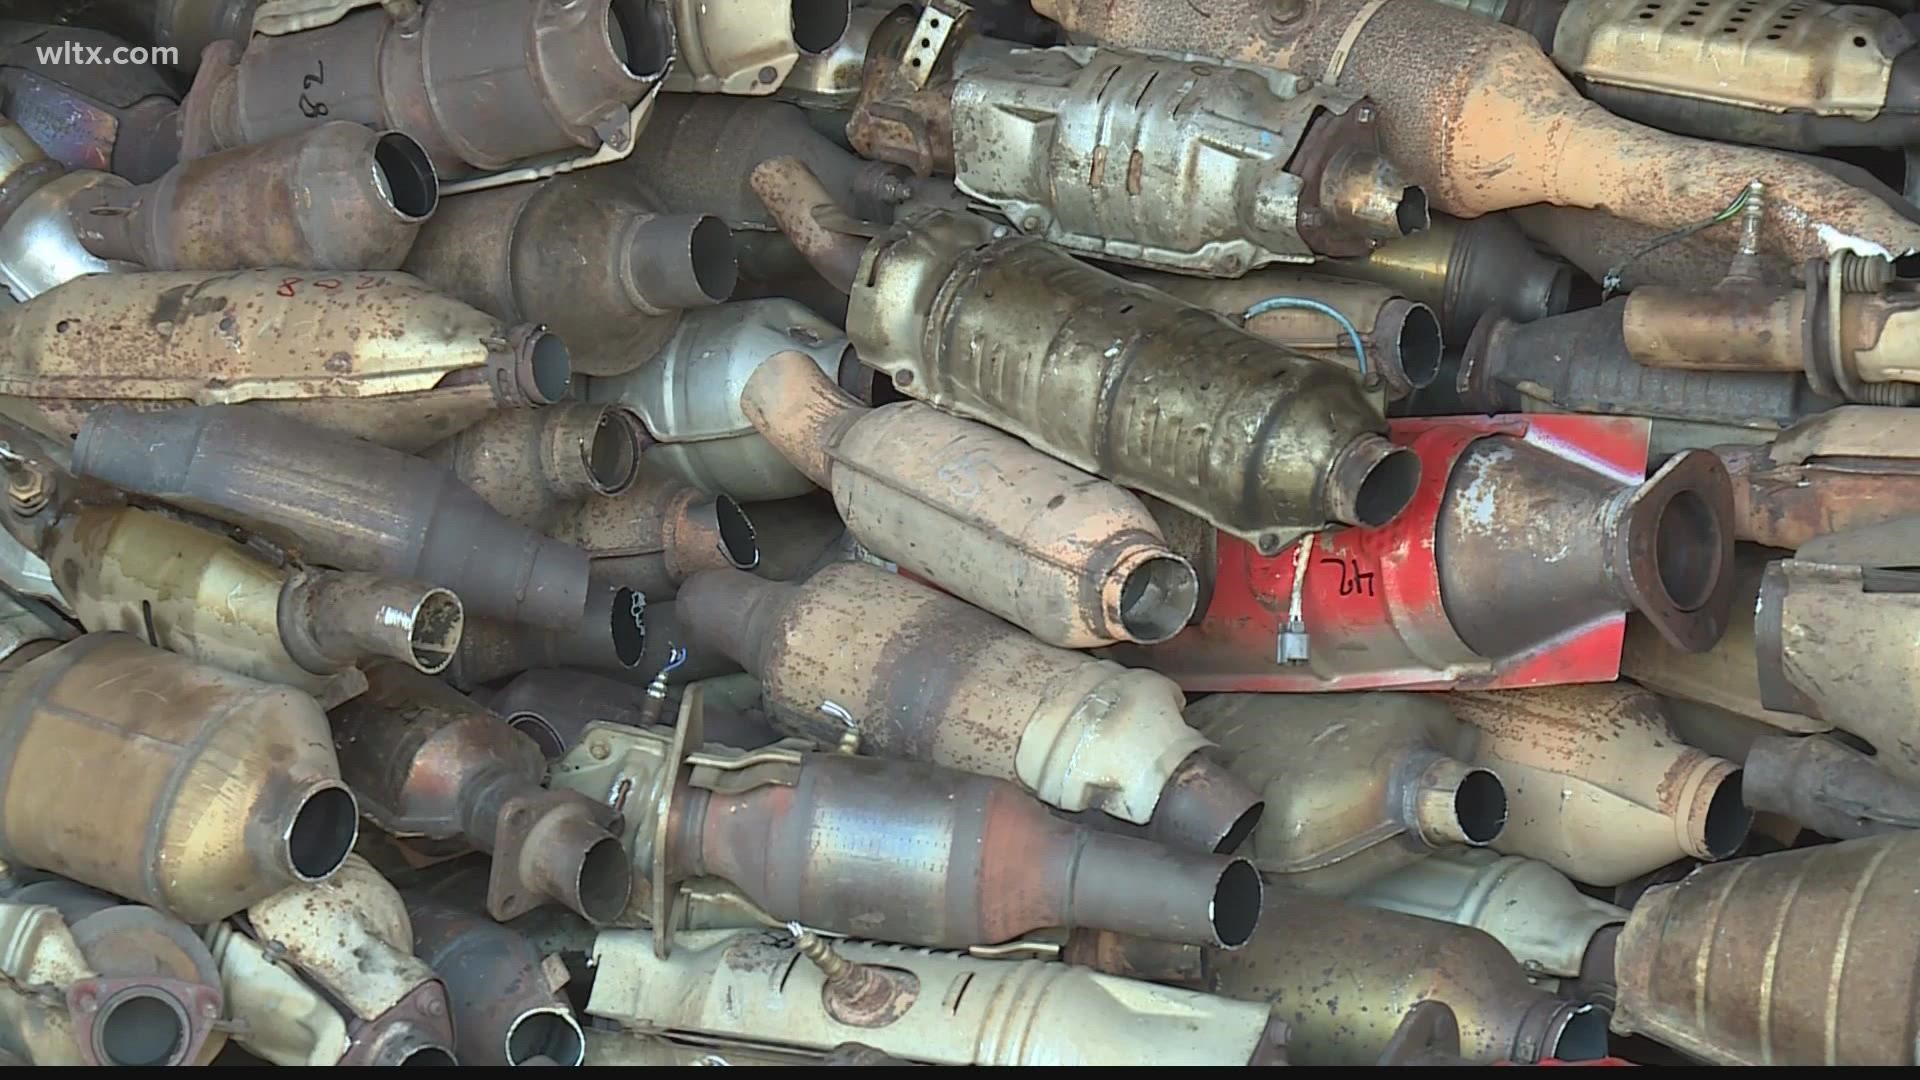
1353,580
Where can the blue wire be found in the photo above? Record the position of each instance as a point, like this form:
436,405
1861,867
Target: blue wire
1275,303
675,657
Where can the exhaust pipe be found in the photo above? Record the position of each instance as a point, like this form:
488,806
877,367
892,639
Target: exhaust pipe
1342,976
429,763
342,502
588,260
1082,562
1158,392
766,987
336,197
612,637
553,708
117,118
1465,269
1454,592
1827,786
1076,731
39,246
212,600
1604,810
532,466
507,1007
351,936
1356,786
374,355
200,810
748,49
561,75
1511,131
1810,956
1851,467
659,533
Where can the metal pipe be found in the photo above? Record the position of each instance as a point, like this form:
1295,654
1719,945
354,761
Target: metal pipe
1077,731
427,762
39,247
1139,388
1603,810
553,706
1511,131
564,75
581,256
1843,469
1082,561
1809,955
204,596
658,533
374,354
1465,269
1355,785
506,1008
343,502
337,197
199,809
1342,976
1827,786
730,49
612,637
803,208
533,466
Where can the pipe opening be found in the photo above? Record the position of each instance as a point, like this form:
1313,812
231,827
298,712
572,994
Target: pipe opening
433,634
429,1057
549,1032
640,33
1236,904
818,25
405,176
710,251
1480,806
1420,347
141,1027
1412,214
1241,828
613,454
551,366
1728,818
1157,598
535,727
322,833
738,539
1388,488
1687,549
606,879
629,627
1583,1038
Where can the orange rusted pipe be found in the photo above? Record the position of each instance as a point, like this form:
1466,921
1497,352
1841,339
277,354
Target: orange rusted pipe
1477,114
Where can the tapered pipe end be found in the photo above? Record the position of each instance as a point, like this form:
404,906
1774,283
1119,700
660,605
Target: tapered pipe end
1371,481
1135,886
1445,801
570,858
331,621
1367,196
725,612
677,261
534,369
1409,333
318,834
1712,816
549,1032
1560,1030
403,177
713,535
1672,541
1203,807
1149,595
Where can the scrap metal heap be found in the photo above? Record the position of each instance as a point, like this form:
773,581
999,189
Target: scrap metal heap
852,532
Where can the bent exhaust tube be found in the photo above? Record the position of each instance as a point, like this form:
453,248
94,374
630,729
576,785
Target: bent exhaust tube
1454,592
1401,336
1464,269
204,596
199,810
375,355
1784,938
1140,388
734,49
430,763
804,210
1603,810
506,1007
1844,469
1342,976
1828,787
1076,731
117,118
337,197
932,1007
1083,564
146,992
563,76
659,533
1511,130
531,466
1356,785
351,936
612,637
606,273
342,502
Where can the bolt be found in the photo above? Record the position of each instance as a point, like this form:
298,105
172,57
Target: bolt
600,750
767,75
1364,114
1030,223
